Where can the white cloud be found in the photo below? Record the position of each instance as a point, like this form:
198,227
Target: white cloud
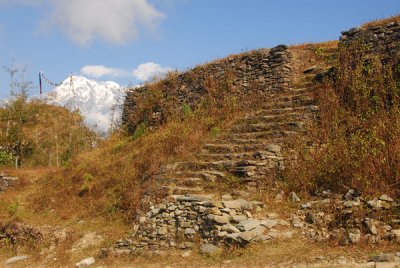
143,72
98,71
116,21
148,70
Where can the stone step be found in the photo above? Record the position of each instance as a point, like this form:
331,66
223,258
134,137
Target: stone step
286,110
228,139
300,94
267,134
194,166
239,156
183,181
181,190
225,166
232,148
263,127
285,102
203,175
294,116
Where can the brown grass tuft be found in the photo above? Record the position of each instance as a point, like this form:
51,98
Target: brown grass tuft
380,22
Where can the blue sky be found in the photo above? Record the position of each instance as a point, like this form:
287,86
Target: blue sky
129,40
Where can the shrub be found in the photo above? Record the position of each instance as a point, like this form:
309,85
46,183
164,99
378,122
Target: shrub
5,158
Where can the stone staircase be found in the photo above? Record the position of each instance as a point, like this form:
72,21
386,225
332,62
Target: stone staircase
247,151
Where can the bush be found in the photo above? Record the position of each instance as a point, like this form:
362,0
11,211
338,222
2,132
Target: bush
5,158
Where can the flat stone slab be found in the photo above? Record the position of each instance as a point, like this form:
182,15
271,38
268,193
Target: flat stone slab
248,236
248,225
269,223
230,228
232,204
192,198
221,219
239,218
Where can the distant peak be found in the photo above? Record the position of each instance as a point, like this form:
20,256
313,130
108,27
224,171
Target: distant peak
98,102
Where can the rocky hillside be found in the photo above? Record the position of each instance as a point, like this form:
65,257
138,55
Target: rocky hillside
275,157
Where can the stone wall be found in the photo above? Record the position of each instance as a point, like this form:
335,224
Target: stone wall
381,40
262,70
185,219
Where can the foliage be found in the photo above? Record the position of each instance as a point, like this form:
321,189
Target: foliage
5,158
139,131
215,131
37,134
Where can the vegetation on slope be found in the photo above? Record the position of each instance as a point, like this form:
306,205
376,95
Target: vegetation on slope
36,134
355,144
113,179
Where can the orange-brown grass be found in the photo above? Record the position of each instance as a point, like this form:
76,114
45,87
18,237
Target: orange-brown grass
112,179
327,45
380,22
355,144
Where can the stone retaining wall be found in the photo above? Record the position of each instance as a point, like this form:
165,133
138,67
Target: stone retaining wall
381,40
185,219
262,70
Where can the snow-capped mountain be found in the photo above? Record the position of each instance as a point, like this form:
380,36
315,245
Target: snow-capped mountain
99,102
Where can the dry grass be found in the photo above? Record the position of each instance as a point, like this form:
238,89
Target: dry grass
284,253
381,22
326,45
355,143
110,181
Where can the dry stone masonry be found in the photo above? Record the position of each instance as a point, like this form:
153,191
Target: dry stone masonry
377,40
349,218
250,151
263,70
185,219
